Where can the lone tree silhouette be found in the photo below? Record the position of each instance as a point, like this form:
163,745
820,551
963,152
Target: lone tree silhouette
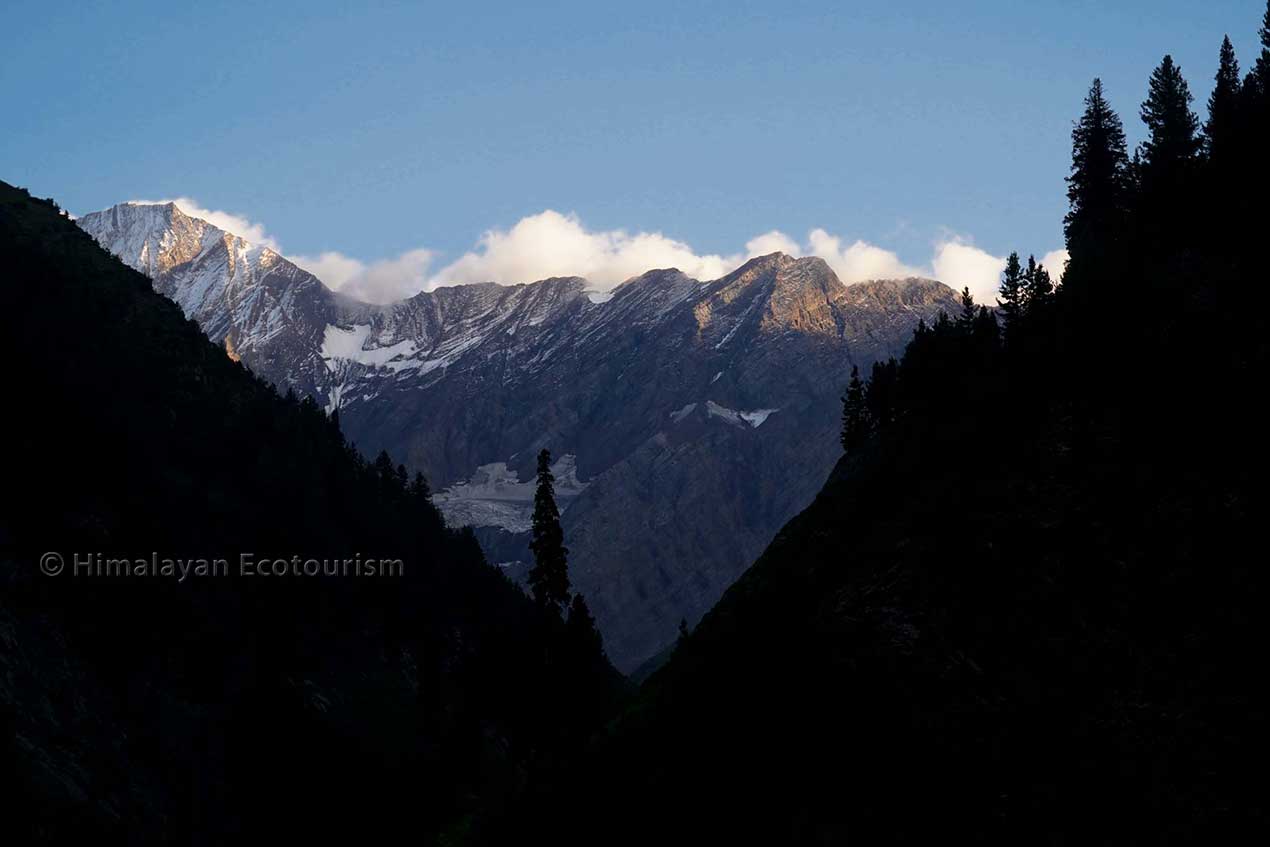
1223,104
855,413
1097,188
549,578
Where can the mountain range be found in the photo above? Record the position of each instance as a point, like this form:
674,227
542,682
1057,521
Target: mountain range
689,419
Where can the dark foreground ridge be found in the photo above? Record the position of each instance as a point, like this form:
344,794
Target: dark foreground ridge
1025,608
138,708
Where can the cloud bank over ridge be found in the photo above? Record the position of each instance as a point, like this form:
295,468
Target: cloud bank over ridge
552,243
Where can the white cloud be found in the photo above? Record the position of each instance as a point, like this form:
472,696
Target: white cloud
1055,261
551,244
229,221
858,261
771,242
959,264
377,282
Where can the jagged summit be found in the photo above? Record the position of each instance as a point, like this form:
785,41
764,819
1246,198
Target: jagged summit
908,293
768,260
152,238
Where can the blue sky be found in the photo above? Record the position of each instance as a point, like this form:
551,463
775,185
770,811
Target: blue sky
406,127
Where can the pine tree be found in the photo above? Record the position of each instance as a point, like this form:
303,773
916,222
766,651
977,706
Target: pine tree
420,488
1173,140
1255,112
986,331
855,413
384,469
1097,188
549,577
879,393
1011,294
1262,69
966,320
944,326
1038,287
1223,105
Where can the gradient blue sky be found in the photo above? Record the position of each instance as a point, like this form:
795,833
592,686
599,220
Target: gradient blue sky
406,125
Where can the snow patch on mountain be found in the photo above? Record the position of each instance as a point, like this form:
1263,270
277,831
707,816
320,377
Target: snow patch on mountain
339,344
682,413
756,417
495,496
753,419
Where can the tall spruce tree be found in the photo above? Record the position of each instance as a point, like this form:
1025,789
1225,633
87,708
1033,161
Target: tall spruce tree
1223,105
986,331
1173,139
1011,293
1038,286
855,413
966,318
1097,188
420,488
880,395
549,577
1262,69
1254,114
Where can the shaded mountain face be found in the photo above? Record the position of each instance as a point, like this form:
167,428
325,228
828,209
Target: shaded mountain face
696,417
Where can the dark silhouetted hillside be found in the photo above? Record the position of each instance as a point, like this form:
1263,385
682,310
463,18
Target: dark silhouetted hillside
1028,607
217,710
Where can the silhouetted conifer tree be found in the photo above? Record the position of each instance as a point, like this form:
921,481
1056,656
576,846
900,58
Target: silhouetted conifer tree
1097,188
986,331
549,577
1223,105
1173,139
1262,68
420,488
384,470
1038,287
966,319
880,393
1010,295
855,413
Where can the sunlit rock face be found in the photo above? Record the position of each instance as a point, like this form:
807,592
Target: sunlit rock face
690,419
